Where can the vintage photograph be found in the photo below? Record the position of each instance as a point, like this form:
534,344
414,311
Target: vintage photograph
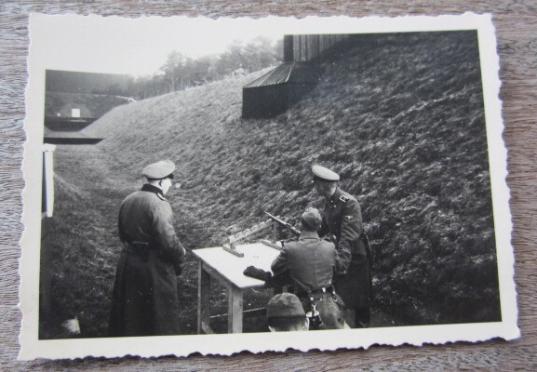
218,182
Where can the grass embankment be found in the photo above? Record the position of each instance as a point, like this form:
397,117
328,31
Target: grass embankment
399,117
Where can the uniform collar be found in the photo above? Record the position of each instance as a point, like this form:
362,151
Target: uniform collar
153,189
335,195
309,235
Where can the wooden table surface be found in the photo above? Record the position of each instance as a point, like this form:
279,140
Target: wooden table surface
232,267
516,23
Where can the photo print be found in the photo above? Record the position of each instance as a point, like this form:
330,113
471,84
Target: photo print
220,185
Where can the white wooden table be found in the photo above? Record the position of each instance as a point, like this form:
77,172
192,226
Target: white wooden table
217,264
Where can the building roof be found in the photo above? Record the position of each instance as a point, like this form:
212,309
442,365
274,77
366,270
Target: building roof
64,137
279,75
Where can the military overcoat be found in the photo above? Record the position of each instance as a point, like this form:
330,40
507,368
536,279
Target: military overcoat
145,299
342,218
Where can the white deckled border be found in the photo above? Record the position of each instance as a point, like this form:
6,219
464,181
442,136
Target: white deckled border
40,58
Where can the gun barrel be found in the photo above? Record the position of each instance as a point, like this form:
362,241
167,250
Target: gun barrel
283,223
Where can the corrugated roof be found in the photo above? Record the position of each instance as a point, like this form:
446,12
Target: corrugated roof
277,76
52,136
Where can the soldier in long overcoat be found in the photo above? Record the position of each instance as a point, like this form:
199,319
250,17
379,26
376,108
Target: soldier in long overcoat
342,219
145,299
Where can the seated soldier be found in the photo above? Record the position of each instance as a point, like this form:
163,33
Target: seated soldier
310,262
285,313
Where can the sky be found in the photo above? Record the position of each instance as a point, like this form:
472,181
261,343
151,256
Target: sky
140,46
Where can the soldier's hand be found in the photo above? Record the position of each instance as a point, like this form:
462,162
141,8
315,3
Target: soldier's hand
257,273
331,238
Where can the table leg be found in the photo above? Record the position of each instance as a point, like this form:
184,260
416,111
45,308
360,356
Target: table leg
234,310
204,285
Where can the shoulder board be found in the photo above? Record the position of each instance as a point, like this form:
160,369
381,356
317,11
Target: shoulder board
344,198
161,197
289,240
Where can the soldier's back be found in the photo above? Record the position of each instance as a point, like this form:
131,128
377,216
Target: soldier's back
137,212
312,262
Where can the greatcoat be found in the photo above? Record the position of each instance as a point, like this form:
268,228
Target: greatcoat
342,219
145,299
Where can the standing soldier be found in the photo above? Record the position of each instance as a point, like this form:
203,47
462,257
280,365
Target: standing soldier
145,299
342,220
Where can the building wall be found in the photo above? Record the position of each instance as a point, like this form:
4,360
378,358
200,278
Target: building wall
271,95
87,82
67,111
306,48
264,101
90,105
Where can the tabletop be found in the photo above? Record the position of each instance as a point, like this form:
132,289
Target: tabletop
231,267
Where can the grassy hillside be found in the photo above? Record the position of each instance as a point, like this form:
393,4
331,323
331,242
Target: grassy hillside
400,117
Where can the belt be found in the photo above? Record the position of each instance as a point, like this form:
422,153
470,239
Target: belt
137,247
138,243
330,289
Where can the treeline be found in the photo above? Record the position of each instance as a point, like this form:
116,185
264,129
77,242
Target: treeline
180,71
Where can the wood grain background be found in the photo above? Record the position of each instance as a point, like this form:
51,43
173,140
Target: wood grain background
516,25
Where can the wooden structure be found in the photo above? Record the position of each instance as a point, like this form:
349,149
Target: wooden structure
276,91
74,100
279,89
47,201
310,48
227,269
87,82
58,137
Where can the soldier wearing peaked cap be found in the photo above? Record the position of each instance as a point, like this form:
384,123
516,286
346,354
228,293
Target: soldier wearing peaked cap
160,170
145,299
342,219
309,263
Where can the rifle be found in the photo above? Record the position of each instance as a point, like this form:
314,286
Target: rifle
283,223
